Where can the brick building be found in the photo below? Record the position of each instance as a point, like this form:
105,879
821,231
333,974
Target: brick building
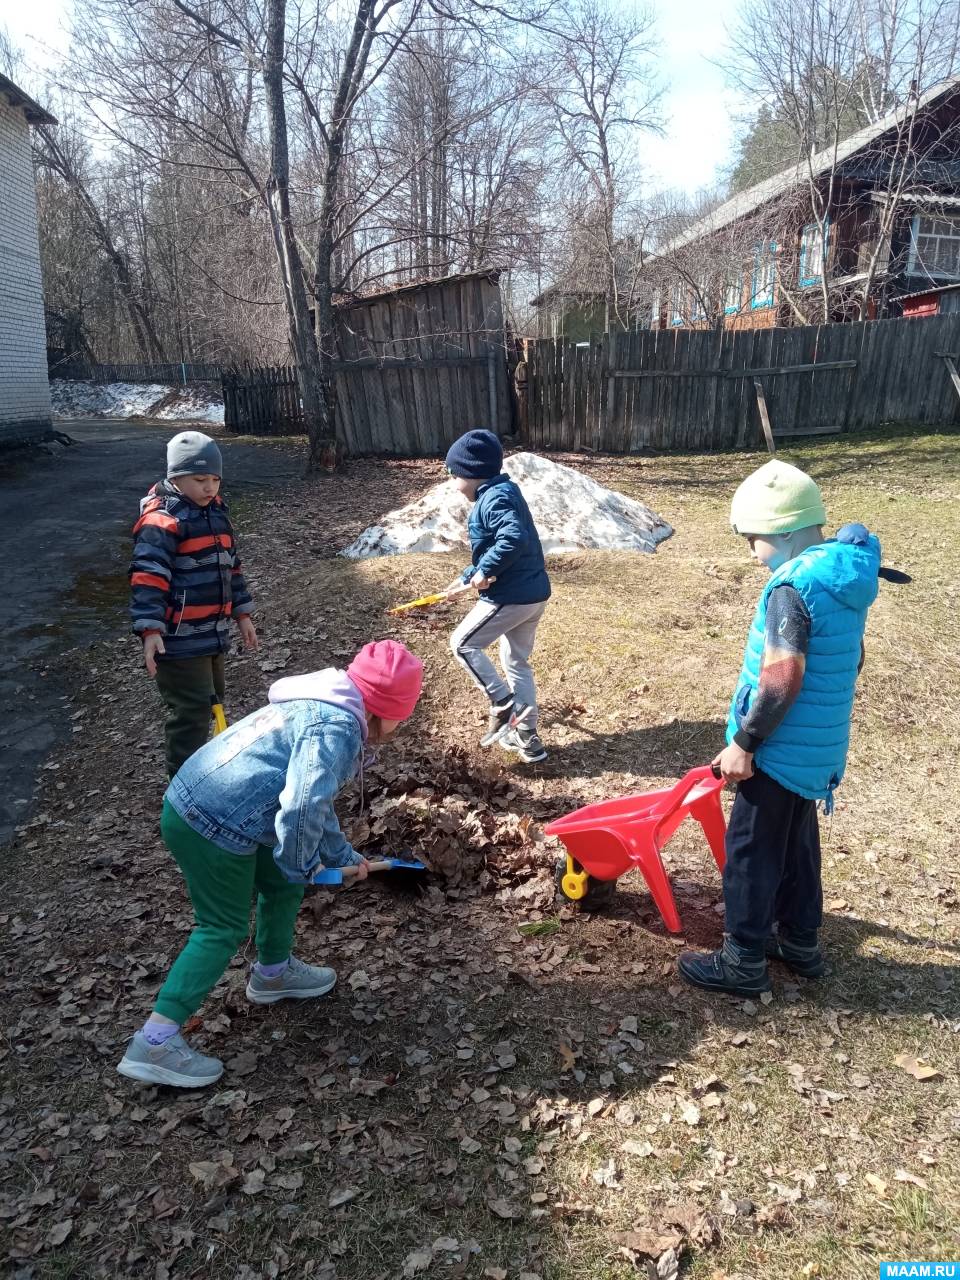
24,389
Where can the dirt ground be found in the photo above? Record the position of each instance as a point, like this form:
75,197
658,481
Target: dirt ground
501,1086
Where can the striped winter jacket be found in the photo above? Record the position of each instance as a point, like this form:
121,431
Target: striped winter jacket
185,577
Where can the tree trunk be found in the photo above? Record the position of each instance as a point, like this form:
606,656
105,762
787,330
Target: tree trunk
312,378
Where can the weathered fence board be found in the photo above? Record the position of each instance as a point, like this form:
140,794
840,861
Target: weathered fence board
694,389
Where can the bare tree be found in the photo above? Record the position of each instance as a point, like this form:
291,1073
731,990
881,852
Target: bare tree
599,91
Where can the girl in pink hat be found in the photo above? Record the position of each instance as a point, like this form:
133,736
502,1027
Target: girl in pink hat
251,815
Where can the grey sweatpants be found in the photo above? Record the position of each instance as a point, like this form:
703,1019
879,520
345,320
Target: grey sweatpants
515,626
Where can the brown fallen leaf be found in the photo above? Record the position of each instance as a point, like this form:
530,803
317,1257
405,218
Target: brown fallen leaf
917,1068
567,1057
649,1241
902,1175
878,1184
503,1208
342,1196
58,1234
254,1182
417,1261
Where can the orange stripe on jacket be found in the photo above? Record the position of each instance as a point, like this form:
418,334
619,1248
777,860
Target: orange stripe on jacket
158,518
149,580
189,545
194,612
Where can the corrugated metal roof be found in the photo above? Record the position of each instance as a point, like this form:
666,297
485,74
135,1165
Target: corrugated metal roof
492,274
17,98
922,293
763,192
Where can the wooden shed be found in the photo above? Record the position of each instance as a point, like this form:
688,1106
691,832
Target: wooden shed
419,364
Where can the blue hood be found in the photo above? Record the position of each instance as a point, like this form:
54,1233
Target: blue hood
847,570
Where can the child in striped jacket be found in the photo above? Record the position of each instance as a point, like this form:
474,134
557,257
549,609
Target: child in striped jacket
186,585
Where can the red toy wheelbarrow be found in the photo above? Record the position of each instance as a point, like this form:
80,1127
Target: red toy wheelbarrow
605,840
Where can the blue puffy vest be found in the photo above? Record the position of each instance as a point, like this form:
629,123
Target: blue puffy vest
807,752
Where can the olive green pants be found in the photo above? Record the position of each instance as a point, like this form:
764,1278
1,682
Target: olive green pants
186,686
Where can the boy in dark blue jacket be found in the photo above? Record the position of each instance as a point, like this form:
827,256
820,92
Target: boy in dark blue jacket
509,572
186,586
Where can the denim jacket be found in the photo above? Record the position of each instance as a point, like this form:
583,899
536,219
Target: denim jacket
272,778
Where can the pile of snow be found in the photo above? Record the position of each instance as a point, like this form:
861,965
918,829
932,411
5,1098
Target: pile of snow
72,399
571,512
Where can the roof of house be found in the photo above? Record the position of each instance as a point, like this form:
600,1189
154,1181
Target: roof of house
922,293
389,291
746,202
17,98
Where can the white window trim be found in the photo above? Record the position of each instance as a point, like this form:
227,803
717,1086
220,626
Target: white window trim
914,267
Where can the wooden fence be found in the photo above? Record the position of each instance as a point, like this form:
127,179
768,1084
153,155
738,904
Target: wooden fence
699,389
263,401
416,367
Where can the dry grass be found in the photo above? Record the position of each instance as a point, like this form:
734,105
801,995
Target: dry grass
800,1109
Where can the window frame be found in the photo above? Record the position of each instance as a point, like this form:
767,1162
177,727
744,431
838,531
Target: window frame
677,298
765,254
915,265
803,278
727,289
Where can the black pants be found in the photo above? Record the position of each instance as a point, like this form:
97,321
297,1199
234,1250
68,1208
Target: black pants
772,871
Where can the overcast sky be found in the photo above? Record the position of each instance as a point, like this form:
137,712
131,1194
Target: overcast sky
699,109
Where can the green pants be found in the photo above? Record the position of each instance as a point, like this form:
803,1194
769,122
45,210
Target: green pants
221,887
185,685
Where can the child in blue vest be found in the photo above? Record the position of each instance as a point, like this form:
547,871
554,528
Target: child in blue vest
788,729
509,572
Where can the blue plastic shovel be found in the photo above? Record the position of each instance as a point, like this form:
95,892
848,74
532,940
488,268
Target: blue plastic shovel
337,875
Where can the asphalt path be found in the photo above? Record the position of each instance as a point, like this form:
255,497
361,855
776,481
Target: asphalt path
66,522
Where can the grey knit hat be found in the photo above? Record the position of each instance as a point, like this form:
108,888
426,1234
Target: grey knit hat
191,453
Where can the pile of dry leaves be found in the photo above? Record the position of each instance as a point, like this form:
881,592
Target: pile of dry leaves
461,821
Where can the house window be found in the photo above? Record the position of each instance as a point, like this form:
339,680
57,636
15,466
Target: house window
935,247
732,296
679,299
813,245
764,274
698,293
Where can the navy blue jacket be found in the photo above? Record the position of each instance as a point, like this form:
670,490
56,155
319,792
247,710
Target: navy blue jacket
185,577
506,545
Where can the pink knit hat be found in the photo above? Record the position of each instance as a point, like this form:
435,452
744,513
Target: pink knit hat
389,678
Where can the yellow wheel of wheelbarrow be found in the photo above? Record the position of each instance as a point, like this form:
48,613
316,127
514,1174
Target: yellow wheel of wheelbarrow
574,883
577,885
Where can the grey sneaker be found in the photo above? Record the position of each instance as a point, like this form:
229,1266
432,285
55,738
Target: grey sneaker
497,721
524,743
298,981
172,1062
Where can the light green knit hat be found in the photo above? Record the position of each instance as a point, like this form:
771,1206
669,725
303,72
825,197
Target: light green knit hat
777,498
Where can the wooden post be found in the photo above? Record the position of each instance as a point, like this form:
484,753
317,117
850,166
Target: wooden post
492,391
951,369
764,415
605,419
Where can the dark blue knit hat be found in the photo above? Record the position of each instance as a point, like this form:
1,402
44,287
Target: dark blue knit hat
477,455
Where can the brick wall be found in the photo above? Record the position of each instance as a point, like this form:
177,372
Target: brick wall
24,389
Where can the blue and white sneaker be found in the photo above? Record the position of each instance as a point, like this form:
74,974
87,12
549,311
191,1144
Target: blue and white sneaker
172,1062
298,981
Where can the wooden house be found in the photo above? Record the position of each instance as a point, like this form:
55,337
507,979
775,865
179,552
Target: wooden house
837,237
